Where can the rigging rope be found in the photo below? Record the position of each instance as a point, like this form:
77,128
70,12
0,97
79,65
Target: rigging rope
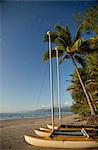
42,84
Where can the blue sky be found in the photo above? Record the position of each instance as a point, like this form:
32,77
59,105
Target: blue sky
24,77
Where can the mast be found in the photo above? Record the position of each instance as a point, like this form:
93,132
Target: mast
58,81
51,80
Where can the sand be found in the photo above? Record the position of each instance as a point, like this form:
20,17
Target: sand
12,131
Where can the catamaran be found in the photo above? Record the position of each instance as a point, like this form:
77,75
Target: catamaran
61,138
58,141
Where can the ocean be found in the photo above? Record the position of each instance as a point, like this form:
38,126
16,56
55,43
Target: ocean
31,114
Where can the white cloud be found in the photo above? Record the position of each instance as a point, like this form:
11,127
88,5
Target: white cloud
45,106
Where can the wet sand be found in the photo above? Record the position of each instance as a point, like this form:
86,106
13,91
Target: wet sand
12,131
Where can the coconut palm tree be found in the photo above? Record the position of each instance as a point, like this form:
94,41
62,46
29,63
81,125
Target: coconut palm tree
80,105
92,82
71,49
88,20
90,79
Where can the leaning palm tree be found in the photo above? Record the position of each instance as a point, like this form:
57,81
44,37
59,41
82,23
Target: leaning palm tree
71,49
80,105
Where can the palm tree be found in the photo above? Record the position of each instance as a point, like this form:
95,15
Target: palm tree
90,79
71,49
92,82
80,105
88,20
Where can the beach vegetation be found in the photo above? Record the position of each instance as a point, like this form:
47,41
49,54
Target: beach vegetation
72,48
80,51
89,25
88,20
90,78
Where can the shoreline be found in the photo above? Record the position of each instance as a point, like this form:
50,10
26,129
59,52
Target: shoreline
30,115
12,131
70,118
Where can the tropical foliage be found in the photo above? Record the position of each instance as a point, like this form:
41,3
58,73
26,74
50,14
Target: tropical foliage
80,105
89,24
88,20
71,48
84,88
90,78
92,82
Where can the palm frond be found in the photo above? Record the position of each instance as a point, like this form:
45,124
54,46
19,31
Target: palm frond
78,34
68,35
59,29
65,57
76,45
53,54
71,87
53,37
64,34
59,48
80,60
60,41
89,45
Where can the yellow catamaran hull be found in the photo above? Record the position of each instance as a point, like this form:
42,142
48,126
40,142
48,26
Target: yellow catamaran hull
64,127
62,142
47,132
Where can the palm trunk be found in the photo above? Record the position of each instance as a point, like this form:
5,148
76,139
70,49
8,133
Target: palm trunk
84,89
92,100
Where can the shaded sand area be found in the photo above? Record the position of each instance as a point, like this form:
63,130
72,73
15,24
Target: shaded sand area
12,131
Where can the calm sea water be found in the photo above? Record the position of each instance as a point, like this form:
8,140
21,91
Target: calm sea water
34,114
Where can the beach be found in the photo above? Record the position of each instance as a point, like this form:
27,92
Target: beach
12,131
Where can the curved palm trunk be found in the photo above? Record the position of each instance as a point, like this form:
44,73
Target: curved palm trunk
92,100
84,89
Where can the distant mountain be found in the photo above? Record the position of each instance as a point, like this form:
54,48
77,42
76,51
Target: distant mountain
65,108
